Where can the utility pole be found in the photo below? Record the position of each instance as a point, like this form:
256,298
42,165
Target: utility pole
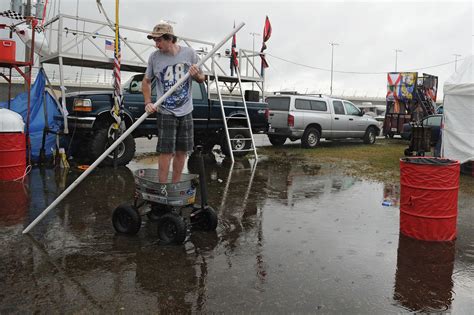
396,57
456,61
332,62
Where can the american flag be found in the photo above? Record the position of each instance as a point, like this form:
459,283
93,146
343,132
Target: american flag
109,45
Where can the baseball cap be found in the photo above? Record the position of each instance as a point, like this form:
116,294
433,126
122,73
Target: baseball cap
160,30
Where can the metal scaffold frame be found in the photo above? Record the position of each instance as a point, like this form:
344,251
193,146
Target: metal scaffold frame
74,41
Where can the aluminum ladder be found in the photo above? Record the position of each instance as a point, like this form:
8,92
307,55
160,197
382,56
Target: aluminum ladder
241,119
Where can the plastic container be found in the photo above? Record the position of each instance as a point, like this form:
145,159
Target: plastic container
148,188
12,145
429,198
7,50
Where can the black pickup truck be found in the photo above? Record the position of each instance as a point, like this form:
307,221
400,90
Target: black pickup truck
90,121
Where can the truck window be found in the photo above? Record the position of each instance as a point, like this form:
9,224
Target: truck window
279,103
338,107
433,121
302,104
197,92
319,106
351,109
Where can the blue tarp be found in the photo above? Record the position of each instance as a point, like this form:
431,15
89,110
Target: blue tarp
37,115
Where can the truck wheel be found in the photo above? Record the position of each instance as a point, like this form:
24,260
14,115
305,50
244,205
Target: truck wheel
277,140
102,139
369,137
239,142
310,138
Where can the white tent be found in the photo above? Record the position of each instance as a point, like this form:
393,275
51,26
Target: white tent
458,111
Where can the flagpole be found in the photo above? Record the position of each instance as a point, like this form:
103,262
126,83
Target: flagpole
126,134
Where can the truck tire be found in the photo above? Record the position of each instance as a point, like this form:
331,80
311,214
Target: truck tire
277,140
101,141
370,135
240,147
311,138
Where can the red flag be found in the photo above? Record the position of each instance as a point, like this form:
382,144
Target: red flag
267,32
233,58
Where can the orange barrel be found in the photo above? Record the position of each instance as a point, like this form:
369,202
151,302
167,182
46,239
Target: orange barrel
7,50
429,198
12,145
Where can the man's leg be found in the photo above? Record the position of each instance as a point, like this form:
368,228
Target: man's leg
164,166
178,165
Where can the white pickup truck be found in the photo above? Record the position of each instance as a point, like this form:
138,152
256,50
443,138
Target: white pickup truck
312,117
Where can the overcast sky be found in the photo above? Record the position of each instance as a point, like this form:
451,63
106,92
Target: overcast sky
428,33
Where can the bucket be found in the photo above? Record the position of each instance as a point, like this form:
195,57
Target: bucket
12,155
429,198
7,50
178,194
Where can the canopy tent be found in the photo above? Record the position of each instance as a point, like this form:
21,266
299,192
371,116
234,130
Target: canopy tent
42,111
458,111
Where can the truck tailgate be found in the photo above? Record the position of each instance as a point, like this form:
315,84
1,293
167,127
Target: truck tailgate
278,111
278,119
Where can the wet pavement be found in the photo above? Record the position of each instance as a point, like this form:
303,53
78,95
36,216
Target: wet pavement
292,238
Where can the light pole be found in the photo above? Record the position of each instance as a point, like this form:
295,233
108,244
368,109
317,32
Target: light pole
456,61
253,53
396,57
332,62
253,49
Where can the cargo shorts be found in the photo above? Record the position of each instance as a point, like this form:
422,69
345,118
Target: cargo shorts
175,133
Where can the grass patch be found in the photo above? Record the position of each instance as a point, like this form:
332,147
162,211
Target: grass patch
379,161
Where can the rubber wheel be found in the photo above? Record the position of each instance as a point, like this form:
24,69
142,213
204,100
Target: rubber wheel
126,220
310,138
369,137
205,220
277,140
171,229
237,144
157,211
102,139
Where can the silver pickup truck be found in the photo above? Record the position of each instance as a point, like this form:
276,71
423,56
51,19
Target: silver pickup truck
312,117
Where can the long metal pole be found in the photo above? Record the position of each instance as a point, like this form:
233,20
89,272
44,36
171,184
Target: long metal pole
396,57
332,62
126,133
456,61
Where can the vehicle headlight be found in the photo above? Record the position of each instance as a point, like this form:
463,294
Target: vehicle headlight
82,105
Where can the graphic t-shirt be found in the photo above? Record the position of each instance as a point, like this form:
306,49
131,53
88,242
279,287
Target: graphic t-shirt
167,70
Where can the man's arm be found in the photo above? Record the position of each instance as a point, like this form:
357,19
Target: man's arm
196,74
146,90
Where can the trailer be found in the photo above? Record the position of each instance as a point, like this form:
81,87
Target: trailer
409,98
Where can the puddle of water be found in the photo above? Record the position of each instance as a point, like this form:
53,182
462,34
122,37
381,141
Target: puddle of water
291,238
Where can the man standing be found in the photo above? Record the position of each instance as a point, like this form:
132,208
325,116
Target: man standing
174,118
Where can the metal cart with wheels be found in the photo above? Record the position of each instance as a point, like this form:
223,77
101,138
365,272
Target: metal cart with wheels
171,205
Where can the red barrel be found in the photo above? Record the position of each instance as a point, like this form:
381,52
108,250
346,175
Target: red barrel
7,50
12,155
429,198
14,203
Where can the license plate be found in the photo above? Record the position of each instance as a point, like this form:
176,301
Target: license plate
271,129
393,129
